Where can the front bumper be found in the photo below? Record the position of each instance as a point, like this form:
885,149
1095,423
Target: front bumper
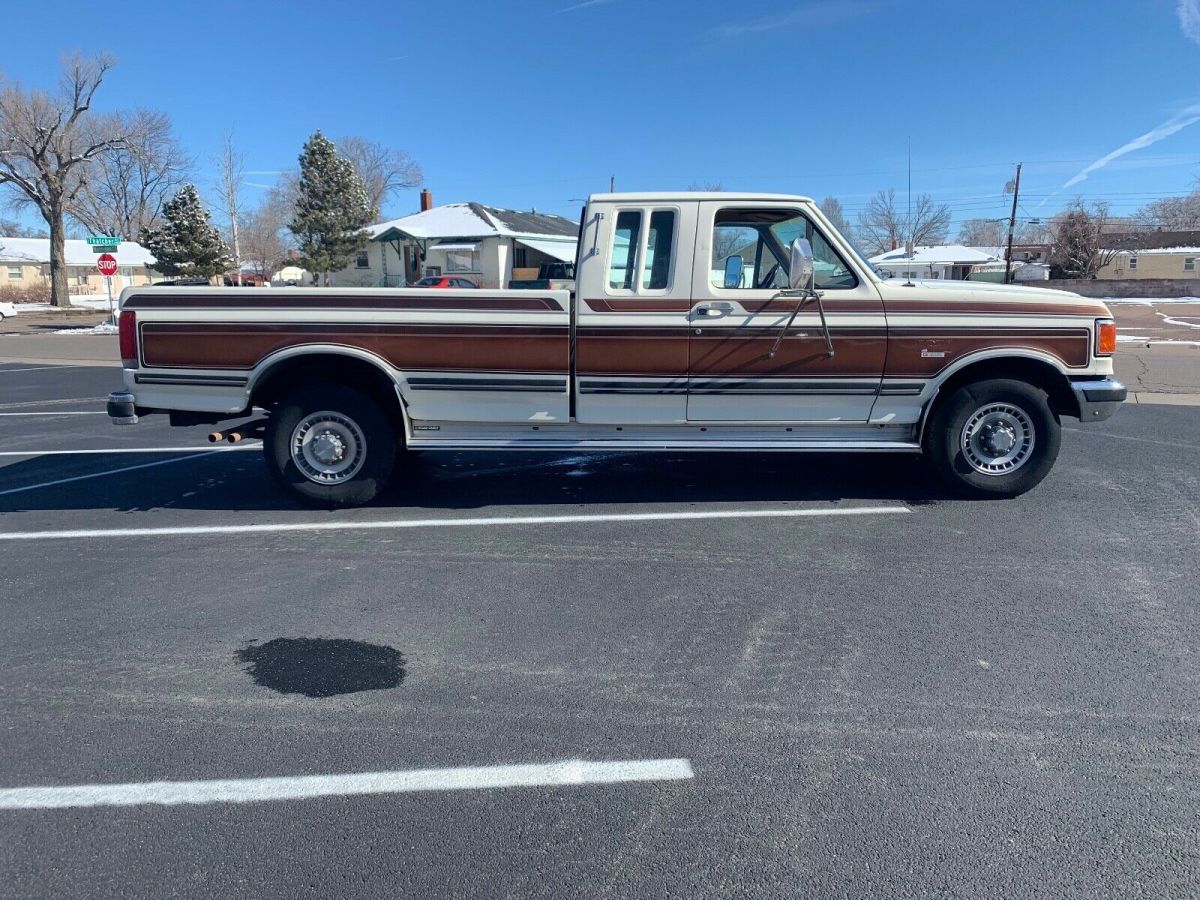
1098,398
122,408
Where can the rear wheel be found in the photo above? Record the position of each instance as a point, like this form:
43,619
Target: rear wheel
995,438
330,446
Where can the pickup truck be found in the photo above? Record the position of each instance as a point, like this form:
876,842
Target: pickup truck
551,277
702,321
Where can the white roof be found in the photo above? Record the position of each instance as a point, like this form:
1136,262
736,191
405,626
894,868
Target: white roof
723,196
78,253
942,255
563,250
1153,252
463,220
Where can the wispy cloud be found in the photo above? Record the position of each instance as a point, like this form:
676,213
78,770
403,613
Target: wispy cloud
1189,19
258,184
262,172
1176,123
827,12
585,4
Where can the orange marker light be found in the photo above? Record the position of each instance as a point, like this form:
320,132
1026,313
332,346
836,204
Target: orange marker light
1106,337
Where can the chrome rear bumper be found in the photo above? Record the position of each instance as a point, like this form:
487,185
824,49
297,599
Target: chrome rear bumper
1098,399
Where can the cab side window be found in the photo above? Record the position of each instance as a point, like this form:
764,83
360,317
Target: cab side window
763,239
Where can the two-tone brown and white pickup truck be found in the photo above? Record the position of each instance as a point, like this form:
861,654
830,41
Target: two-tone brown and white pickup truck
701,321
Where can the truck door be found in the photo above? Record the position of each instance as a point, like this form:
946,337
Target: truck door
732,376
633,312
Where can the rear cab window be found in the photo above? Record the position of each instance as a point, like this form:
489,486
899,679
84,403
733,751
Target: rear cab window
642,255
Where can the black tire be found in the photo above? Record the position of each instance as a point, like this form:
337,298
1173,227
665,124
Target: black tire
356,418
998,410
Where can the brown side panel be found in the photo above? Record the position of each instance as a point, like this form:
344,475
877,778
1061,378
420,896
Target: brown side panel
497,348
631,351
923,353
744,352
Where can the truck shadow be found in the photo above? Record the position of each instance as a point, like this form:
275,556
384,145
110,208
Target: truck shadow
231,483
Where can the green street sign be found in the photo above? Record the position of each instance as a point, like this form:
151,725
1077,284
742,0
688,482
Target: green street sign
103,240
103,248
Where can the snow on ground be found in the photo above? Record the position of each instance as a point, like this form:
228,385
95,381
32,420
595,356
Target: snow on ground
1136,339
102,328
1150,301
78,301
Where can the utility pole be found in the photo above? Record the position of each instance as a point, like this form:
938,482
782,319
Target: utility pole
612,183
1012,224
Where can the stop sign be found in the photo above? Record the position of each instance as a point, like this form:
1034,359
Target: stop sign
107,264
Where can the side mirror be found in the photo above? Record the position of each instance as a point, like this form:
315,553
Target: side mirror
733,271
800,274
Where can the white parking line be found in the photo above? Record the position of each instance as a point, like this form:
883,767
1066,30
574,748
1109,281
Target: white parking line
158,462
106,450
33,369
90,412
682,516
251,790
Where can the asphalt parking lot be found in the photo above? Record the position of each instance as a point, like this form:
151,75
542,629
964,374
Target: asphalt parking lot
703,675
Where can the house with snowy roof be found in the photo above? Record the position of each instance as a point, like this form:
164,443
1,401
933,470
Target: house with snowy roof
947,261
25,264
486,244
1152,254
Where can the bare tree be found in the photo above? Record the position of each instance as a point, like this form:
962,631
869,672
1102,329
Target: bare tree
384,170
13,228
232,168
263,232
882,226
127,186
709,186
832,207
46,142
983,233
1078,249
1171,213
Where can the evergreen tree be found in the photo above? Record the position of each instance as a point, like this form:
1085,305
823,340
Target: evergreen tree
186,243
332,208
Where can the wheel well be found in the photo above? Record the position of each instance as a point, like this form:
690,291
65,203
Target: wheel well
1019,368
326,368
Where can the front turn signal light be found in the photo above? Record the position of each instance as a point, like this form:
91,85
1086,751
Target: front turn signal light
1106,337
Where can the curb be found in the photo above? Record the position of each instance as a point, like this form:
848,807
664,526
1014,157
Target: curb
1163,399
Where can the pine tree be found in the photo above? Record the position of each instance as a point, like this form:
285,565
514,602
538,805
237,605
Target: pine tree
187,243
331,210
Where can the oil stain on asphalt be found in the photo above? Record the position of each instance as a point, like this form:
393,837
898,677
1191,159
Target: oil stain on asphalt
322,667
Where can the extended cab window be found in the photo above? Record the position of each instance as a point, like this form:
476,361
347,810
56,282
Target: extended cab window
763,239
634,265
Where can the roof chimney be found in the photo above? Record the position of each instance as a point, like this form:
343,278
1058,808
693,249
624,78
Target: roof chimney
426,200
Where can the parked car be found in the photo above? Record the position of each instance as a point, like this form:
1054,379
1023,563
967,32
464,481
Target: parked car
449,282
184,282
7,310
559,276
705,322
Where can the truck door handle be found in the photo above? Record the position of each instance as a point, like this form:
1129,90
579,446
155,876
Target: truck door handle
713,310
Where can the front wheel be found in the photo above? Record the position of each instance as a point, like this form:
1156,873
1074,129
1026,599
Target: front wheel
330,446
996,438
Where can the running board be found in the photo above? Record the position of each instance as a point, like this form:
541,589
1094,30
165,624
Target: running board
583,445
823,437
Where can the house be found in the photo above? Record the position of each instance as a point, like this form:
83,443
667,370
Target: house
952,261
490,246
1152,254
25,263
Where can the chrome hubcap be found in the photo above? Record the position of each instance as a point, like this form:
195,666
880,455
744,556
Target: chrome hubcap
997,439
328,447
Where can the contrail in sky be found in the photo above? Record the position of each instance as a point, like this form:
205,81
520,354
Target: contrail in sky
1176,123
1189,19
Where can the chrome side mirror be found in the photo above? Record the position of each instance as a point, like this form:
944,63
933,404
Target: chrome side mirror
800,274
734,266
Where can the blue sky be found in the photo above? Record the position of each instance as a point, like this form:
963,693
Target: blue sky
532,103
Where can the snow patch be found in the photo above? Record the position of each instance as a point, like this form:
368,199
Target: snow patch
102,328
